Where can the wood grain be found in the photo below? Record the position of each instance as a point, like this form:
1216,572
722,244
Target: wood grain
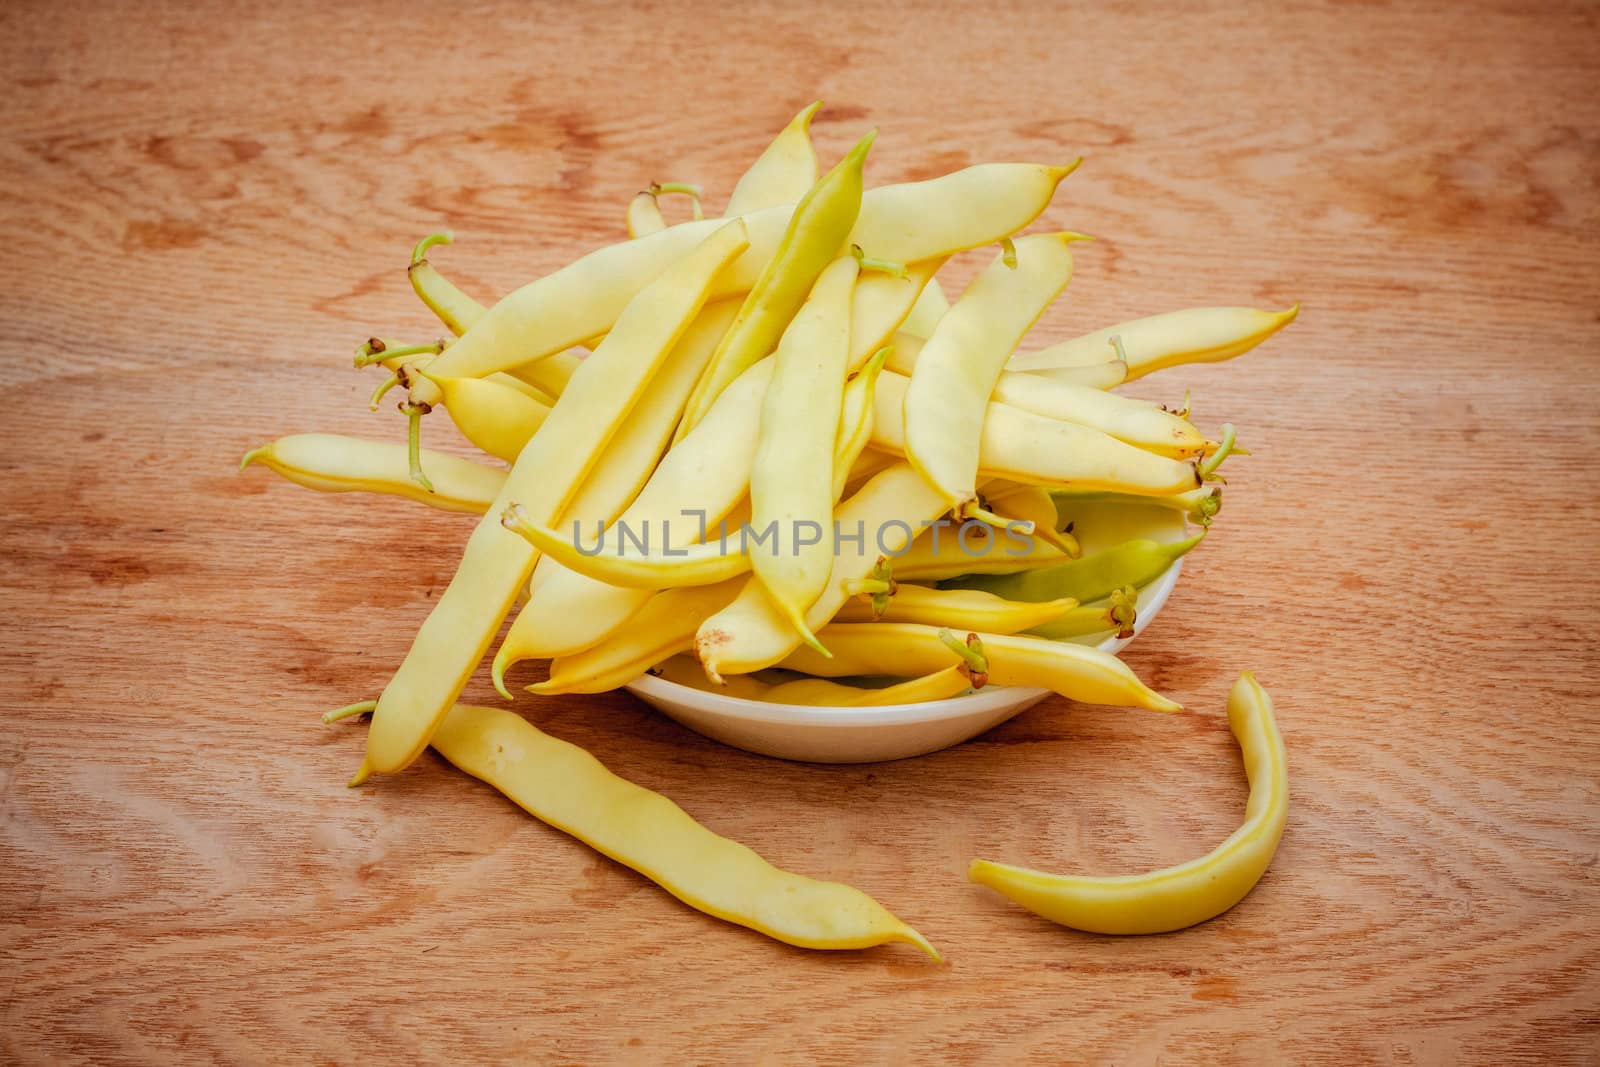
206,206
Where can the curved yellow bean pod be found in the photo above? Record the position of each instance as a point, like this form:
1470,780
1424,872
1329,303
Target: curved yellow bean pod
454,308
497,563
1174,897
961,609
1076,672
685,565
783,173
1025,447
1196,335
791,481
643,217
824,693
494,417
664,627
333,463
560,784
881,518
946,400
903,223
822,220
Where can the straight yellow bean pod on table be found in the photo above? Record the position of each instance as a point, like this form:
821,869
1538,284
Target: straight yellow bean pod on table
334,463
560,784
1174,897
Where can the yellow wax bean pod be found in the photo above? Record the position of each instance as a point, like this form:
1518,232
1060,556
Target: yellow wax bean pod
685,670
901,223
784,173
333,463
455,309
1076,672
703,476
494,417
822,692
560,784
497,563
1196,335
1190,893
816,234
643,217
880,519
791,481
1136,422
1031,448
929,309
957,369
953,548
962,609
664,627
942,216
670,568
855,421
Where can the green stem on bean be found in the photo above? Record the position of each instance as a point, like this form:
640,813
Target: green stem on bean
413,411
882,266
383,388
349,711
420,253
974,509
689,189
1208,466
1124,610
974,661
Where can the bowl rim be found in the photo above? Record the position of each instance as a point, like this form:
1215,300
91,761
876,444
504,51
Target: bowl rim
989,698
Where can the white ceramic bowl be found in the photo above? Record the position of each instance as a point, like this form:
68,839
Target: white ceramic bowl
862,735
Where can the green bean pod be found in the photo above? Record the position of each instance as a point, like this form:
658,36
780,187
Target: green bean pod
818,229
1138,562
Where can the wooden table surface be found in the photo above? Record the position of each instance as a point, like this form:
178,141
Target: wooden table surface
205,209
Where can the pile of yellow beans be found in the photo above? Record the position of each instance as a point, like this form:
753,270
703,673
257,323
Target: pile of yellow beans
764,454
